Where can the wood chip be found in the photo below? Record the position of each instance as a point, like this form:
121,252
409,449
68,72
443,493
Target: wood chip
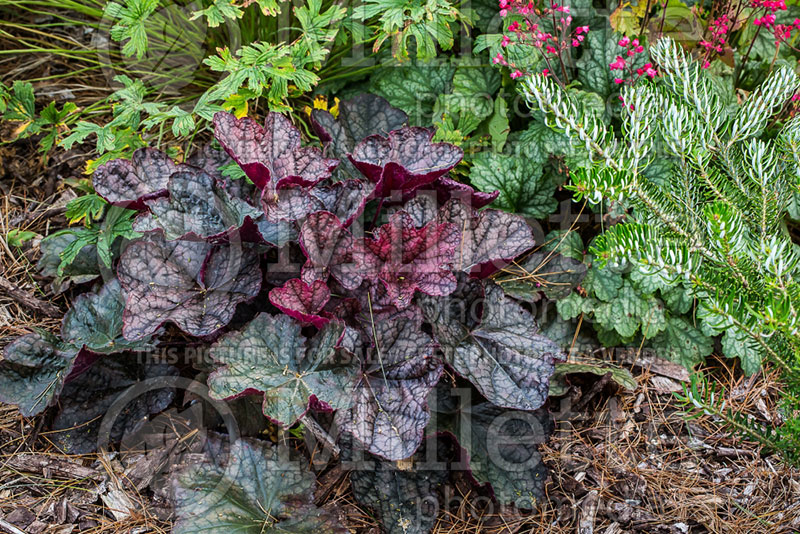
50,466
662,384
28,300
654,364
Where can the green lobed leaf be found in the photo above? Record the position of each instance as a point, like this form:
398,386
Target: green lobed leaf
524,189
260,491
33,371
270,356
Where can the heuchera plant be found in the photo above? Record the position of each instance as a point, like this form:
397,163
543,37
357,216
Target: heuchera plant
368,274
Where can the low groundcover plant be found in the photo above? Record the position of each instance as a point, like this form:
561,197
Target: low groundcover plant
365,273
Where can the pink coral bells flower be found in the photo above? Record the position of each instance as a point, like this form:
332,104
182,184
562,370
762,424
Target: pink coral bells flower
618,81
506,41
624,41
516,74
619,64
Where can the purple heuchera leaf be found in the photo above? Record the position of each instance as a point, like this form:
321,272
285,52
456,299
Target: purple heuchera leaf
501,445
86,400
302,301
363,115
272,153
191,283
270,356
292,202
328,245
490,239
129,182
390,410
406,258
197,206
210,159
404,161
501,352
447,188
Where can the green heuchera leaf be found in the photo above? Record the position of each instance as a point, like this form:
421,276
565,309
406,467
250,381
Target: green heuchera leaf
570,306
546,273
501,445
559,385
33,370
600,49
603,282
682,343
405,499
523,188
736,343
566,242
414,88
259,491
629,311
270,356
95,322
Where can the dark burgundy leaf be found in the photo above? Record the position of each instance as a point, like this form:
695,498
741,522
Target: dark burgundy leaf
33,371
270,356
128,182
86,400
294,202
489,238
328,245
447,188
260,491
197,206
344,199
210,160
363,115
403,161
406,258
193,284
276,233
390,408
95,322
302,301
494,343
272,153
547,273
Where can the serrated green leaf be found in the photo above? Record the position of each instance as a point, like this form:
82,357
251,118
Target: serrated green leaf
270,356
413,88
523,188
603,282
682,343
260,491
736,343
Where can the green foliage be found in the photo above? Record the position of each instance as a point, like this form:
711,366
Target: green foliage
102,235
131,25
19,106
429,22
712,220
524,187
16,237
